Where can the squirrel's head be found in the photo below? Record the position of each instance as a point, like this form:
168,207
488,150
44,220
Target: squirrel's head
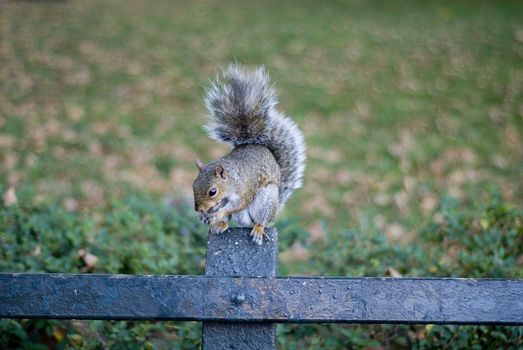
210,187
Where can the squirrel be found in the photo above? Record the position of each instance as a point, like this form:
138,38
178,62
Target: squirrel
254,181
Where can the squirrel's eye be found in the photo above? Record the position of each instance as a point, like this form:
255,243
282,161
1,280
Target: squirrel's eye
212,192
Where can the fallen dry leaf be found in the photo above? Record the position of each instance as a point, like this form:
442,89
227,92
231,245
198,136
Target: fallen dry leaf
518,34
381,199
36,251
71,204
318,204
392,272
6,141
429,201
401,200
75,112
90,260
395,231
58,334
380,222
10,197
297,252
317,232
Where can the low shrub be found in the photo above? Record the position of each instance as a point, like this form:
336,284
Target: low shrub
141,235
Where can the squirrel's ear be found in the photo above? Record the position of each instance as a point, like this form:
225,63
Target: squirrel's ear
199,164
219,171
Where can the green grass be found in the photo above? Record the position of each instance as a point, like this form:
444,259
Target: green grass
403,104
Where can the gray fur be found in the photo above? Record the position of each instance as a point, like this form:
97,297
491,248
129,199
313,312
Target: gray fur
243,218
241,107
263,207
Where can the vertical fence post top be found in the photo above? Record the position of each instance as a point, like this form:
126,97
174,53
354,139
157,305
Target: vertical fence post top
233,253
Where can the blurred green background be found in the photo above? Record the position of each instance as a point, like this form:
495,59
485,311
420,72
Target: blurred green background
412,113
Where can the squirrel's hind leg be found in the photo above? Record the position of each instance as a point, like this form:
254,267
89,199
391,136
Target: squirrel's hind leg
243,218
262,210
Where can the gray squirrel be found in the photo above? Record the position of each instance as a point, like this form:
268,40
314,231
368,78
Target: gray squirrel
253,182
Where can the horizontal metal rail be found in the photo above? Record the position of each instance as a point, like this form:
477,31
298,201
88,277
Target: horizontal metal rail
294,299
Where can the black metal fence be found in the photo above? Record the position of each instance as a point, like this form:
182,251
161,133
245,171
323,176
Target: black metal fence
240,299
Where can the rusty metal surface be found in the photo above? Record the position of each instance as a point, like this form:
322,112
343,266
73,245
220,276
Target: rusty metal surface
234,254
208,298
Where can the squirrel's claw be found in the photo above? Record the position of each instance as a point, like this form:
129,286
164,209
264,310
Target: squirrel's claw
218,228
257,233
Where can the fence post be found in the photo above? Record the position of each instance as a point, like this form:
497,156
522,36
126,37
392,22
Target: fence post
234,254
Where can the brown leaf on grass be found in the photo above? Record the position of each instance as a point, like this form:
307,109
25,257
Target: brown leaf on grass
9,197
392,272
329,155
455,191
381,199
362,109
71,204
404,146
92,190
217,151
312,124
146,177
58,152
343,177
518,34
183,153
101,127
58,334
451,158
380,222
112,163
512,138
409,183
318,204
80,77
461,176
317,232
182,179
401,200
75,112
95,148
6,141
395,231
36,251
135,68
297,252
439,218
322,175
10,160
429,202
69,135
30,160
90,260
499,161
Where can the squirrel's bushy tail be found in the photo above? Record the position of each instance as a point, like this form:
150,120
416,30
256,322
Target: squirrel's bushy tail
241,108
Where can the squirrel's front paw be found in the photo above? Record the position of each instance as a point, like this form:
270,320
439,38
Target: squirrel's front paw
218,228
257,233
